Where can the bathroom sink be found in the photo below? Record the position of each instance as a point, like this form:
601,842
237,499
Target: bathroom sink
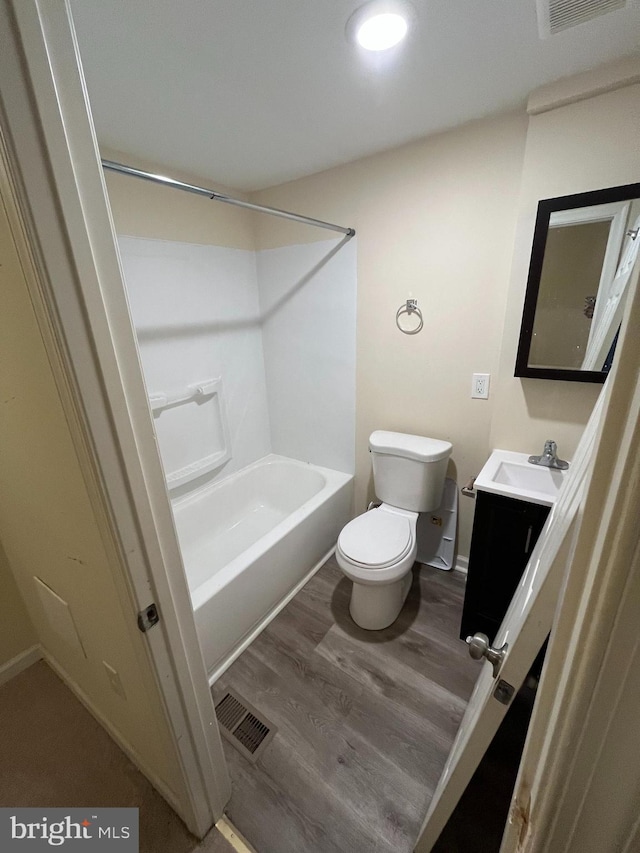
510,474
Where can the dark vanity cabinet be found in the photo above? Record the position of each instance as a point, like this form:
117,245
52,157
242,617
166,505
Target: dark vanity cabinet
505,531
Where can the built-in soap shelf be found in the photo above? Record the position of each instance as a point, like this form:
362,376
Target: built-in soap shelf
193,439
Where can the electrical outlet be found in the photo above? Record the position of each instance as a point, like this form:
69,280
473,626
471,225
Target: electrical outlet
114,680
480,385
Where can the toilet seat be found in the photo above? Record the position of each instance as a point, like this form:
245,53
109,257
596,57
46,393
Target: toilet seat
376,539
378,547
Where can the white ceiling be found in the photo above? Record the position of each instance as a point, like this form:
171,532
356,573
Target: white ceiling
251,93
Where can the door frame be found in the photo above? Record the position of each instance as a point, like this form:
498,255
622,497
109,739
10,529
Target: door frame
53,178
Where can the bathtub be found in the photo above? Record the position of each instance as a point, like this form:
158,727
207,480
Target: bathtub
250,542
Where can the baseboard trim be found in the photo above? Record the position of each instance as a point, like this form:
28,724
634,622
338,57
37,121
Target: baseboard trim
19,663
262,624
461,564
115,735
235,839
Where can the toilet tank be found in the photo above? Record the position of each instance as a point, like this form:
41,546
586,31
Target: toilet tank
409,470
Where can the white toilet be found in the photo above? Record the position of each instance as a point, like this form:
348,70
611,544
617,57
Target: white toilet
378,548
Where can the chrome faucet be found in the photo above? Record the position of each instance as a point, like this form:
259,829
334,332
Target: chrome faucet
549,458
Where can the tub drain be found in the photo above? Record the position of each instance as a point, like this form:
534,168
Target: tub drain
245,729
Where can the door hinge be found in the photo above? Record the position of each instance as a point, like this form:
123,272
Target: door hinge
504,692
148,617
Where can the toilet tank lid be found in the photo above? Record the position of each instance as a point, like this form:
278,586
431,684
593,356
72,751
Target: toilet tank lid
410,446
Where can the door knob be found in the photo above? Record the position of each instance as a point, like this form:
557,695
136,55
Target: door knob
480,647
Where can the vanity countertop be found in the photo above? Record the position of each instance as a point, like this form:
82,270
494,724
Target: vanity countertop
510,474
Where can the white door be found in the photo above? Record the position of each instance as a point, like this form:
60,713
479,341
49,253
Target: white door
610,303
522,633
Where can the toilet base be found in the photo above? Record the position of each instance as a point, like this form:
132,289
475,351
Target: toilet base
375,606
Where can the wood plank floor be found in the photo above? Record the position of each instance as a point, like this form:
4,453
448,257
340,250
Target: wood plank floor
365,719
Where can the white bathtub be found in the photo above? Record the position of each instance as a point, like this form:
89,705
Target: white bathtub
250,542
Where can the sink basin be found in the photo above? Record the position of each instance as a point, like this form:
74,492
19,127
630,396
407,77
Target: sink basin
512,475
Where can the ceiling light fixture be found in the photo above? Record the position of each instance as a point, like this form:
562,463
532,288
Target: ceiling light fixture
380,24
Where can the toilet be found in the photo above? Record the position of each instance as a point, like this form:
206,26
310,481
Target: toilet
378,548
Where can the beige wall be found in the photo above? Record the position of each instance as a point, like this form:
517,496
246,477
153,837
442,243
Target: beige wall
435,220
49,529
573,148
447,220
143,209
16,631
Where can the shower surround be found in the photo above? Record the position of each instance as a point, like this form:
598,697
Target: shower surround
249,362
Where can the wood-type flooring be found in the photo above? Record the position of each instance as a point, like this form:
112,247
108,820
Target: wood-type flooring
365,718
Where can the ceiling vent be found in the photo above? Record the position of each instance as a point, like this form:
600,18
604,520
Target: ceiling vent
554,16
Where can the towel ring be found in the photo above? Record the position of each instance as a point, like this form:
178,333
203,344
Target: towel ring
410,307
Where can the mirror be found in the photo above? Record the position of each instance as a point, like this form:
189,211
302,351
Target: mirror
584,253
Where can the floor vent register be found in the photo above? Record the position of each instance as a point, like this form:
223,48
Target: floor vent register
247,730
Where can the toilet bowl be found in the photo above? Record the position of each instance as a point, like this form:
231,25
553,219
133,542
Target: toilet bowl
377,550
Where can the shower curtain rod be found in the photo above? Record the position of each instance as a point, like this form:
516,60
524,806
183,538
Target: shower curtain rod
216,196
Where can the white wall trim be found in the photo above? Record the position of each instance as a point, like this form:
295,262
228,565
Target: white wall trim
579,87
235,838
19,663
113,733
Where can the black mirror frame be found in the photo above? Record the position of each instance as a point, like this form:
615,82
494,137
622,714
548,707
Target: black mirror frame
546,207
